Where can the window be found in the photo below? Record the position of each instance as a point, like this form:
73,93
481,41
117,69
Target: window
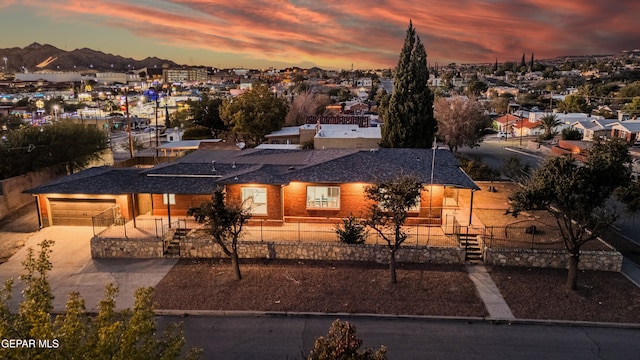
323,197
254,199
414,208
169,199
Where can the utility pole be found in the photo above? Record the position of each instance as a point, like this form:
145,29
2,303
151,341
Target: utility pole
126,105
157,131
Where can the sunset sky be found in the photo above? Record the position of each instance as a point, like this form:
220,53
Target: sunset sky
324,33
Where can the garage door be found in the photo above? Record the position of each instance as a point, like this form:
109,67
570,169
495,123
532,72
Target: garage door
77,212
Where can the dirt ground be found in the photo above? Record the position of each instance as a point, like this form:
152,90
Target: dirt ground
435,290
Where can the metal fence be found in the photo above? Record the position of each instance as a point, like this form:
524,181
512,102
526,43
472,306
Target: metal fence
530,237
142,228
108,224
418,235
105,219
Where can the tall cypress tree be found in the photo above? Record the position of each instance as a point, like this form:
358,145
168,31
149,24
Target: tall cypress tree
408,120
531,63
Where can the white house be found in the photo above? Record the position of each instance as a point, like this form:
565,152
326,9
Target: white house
628,130
593,129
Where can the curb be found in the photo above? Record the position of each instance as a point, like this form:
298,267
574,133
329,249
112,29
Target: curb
494,321
508,148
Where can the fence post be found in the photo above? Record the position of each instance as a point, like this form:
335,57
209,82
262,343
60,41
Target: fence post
261,222
533,235
299,239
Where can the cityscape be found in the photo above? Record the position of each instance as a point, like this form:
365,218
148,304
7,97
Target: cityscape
447,209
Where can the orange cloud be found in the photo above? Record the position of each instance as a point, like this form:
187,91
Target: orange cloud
366,33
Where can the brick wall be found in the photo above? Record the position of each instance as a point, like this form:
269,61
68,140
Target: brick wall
183,203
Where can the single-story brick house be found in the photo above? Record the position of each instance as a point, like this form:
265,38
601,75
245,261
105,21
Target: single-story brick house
281,185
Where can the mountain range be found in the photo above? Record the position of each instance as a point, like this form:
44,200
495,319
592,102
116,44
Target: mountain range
40,57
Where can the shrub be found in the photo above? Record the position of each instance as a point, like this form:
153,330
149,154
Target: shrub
571,134
196,133
342,343
351,231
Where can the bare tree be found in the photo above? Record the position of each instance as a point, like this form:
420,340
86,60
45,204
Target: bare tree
391,201
305,104
225,221
579,196
460,121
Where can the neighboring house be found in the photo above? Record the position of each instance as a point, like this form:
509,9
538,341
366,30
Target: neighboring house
286,135
593,129
279,185
524,127
174,134
347,136
330,132
566,119
628,130
505,123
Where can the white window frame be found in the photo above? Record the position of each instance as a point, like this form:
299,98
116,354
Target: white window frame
169,199
252,200
323,197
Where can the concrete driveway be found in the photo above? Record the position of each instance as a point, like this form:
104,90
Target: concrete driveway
75,270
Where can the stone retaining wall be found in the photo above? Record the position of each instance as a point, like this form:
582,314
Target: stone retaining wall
126,248
196,247
202,247
558,259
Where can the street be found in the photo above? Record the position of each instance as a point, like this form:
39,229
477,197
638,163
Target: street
292,337
492,151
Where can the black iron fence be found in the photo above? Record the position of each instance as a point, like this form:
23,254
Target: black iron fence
105,219
418,235
530,237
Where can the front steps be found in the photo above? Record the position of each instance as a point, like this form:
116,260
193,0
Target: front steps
172,246
470,244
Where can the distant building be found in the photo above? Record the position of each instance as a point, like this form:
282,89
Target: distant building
330,132
196,75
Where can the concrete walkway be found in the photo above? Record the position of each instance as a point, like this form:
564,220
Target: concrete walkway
489,293
631,271
73,269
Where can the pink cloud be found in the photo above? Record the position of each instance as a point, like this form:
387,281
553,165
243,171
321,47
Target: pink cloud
337,33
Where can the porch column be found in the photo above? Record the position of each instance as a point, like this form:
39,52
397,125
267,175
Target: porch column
471,206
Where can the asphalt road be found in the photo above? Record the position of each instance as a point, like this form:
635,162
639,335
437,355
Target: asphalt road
276,337
493,151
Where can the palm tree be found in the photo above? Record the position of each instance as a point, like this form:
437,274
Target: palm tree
549,124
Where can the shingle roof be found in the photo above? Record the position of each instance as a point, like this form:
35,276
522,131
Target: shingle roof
203,170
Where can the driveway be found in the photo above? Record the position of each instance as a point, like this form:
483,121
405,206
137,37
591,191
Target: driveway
74,269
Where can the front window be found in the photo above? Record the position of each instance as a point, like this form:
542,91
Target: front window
323,197
254,199
169,199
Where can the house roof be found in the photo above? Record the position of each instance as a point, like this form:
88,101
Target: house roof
203,170
631,126
348,131
508,119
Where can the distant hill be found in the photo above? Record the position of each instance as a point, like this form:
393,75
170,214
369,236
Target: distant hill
38,57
